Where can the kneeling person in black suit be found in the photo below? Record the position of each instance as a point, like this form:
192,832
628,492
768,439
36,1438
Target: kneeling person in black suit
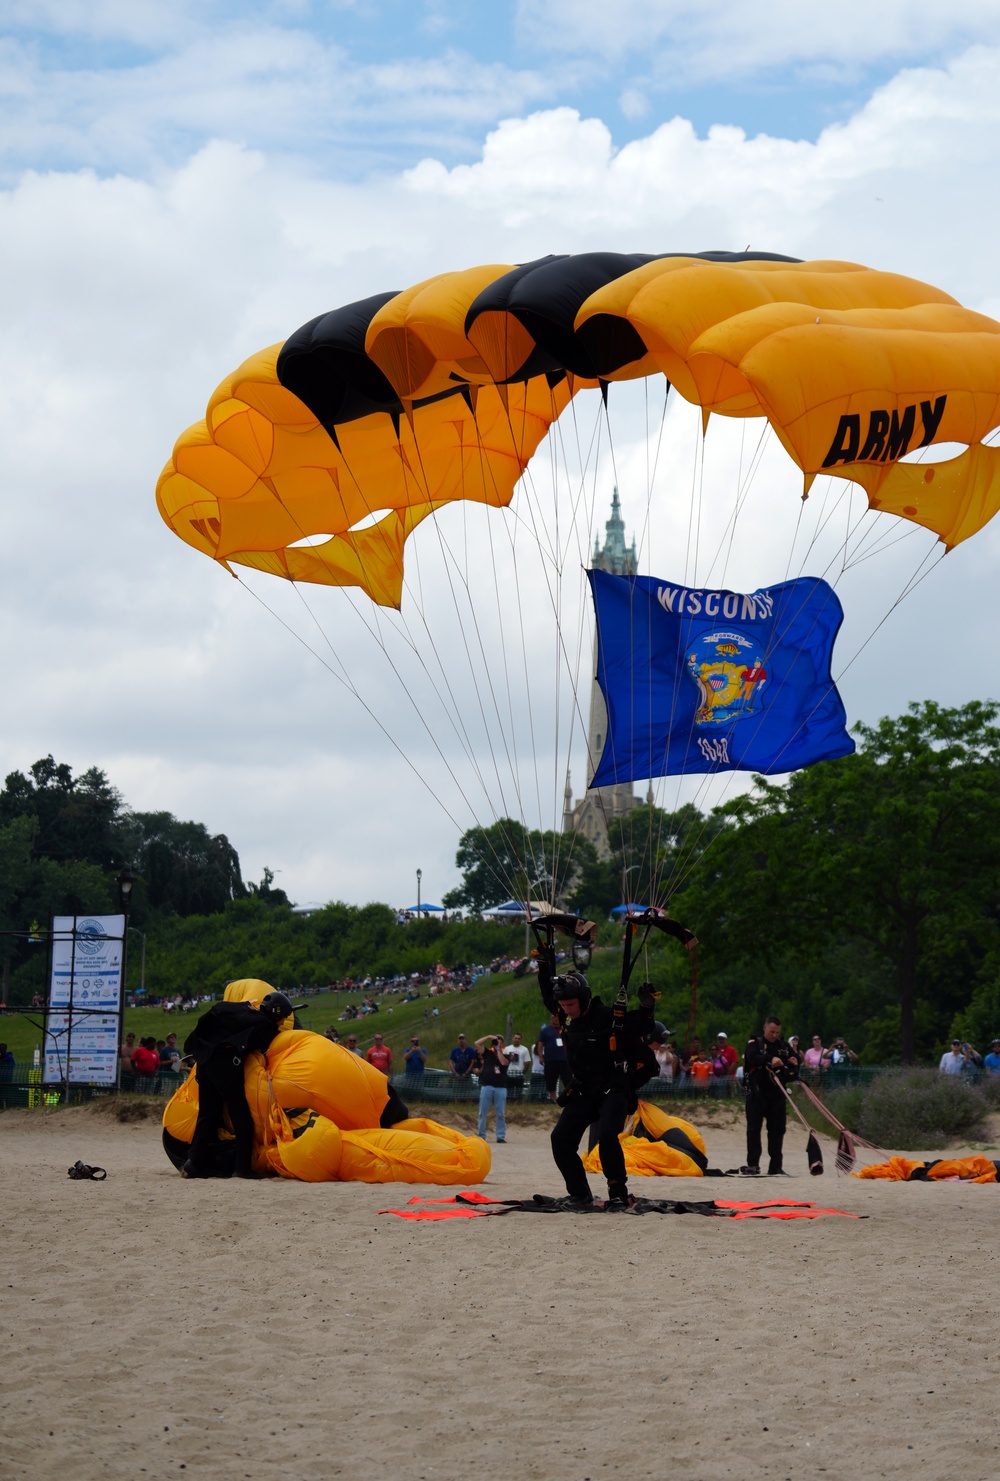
220,1042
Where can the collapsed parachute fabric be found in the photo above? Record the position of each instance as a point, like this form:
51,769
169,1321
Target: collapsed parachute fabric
316,1110
319,456
657,1145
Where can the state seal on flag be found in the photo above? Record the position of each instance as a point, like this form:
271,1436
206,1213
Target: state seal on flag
727,668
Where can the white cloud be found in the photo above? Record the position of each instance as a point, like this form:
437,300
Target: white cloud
695,41
279,88
128,298
928,136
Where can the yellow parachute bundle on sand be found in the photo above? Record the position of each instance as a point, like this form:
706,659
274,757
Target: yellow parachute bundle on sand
316,1109
648,1155
315,1150
947,1169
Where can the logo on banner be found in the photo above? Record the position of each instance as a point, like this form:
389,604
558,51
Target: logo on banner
86,932
728,671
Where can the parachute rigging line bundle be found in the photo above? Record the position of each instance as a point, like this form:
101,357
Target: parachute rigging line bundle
814,1153
846,1140
472,1205
321,455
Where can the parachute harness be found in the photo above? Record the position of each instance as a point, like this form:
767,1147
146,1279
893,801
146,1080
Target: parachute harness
584,933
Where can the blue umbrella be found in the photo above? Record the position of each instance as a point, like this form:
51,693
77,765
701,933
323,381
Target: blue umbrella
422,908
624,909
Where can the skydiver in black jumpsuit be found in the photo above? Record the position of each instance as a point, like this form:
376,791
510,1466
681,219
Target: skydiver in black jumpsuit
599,1092
220,1042
768,1060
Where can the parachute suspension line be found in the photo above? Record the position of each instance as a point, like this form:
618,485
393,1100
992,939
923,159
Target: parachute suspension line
511,748
700,498
682,861
527,483
619,851
910,587
532,500
373,626
352,689
574,662
698,449
650,855
417,708
697,486
743,487
556,665
882,544
795,536
451,565
692,1023
645,534
666,879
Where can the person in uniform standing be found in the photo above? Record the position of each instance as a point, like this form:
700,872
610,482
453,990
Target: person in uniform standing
601,1089
768,1064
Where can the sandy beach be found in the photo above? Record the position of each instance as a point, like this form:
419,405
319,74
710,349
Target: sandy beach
155,1326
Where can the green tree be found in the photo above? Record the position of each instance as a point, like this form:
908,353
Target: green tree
896,849
509,860
76,818
186,870
655,851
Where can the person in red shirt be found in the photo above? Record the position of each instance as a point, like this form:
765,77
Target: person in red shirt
380,1055
724,1053
145,1060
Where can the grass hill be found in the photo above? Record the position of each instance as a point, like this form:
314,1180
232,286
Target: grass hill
483,1010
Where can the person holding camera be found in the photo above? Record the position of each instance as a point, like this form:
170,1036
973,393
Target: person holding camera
603,1077
415,1058
492,1084
768,1064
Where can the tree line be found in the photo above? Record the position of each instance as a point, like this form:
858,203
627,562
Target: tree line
65,839
861,896
858,897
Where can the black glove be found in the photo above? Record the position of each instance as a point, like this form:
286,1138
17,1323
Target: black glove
566,1096
647,997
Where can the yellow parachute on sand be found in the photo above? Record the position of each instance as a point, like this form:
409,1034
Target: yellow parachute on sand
316,1110
318,456
647,1155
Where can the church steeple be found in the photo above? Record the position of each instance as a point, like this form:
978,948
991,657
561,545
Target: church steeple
616,557
590,815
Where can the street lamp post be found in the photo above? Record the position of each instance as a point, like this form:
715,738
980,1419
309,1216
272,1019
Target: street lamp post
420,875
126,883
142,967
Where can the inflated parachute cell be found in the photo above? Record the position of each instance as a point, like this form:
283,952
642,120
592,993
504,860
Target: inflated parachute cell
319,456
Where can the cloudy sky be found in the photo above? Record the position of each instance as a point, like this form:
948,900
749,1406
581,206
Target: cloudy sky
184,183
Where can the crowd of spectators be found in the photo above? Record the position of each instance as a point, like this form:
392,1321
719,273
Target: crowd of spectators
961,1059
143,1062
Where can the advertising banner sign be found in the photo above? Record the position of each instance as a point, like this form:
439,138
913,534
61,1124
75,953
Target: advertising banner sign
85,997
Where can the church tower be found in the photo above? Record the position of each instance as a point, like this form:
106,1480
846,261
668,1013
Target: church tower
591,814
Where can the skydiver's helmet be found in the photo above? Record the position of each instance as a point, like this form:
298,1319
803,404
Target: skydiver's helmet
572,985
276,1006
